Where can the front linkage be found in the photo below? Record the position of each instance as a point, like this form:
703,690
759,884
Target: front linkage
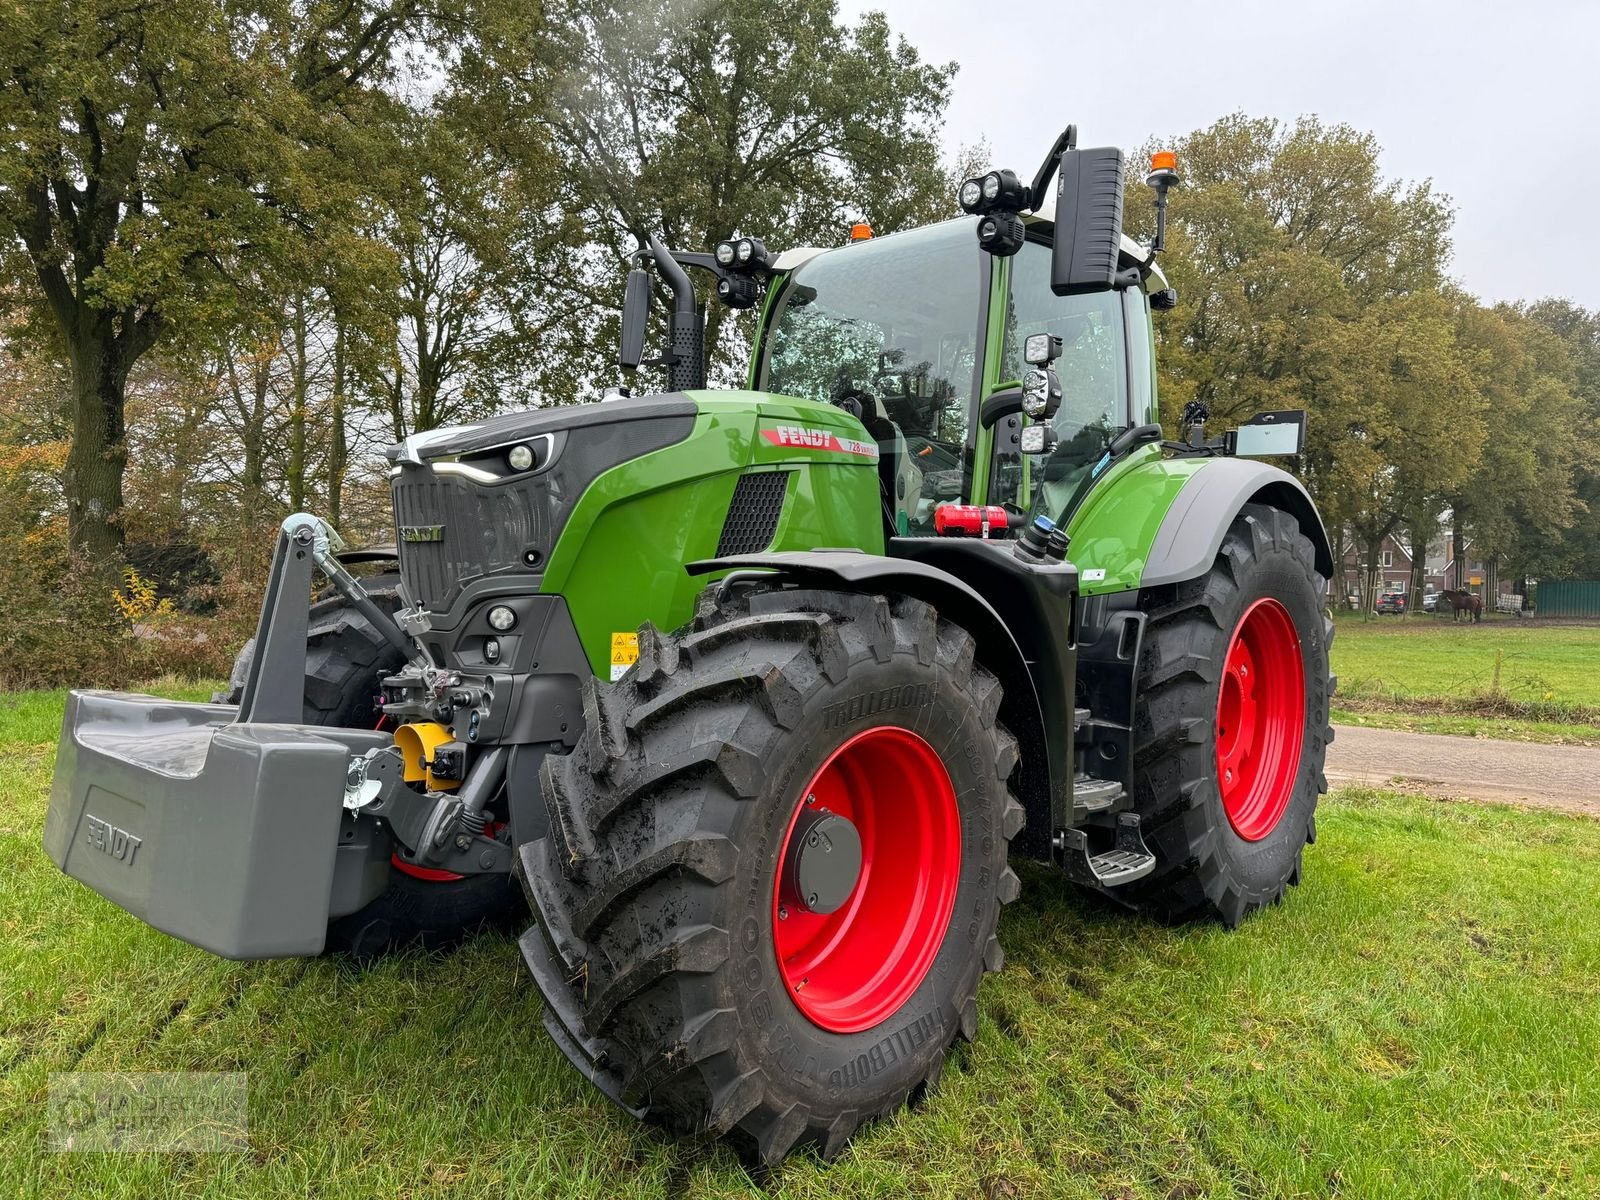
441,827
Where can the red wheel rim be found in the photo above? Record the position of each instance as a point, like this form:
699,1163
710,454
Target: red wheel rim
851,968
1261,711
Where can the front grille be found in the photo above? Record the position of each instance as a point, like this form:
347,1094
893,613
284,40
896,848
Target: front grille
753,513
451,531
457,527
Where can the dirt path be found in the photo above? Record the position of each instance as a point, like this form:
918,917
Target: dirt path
1564,777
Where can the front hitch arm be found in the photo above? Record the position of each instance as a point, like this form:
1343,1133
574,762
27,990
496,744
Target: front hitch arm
274,686
307,530
438,830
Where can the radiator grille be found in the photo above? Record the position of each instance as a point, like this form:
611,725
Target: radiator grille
753,513
479,531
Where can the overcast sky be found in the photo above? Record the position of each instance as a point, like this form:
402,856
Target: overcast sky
1498,103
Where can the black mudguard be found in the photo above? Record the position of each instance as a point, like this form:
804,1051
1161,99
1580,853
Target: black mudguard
1191,534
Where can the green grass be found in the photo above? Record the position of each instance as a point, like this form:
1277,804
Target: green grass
1419,1019
1500,678
1385,715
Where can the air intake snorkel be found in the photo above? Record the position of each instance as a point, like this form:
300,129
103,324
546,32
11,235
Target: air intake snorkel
684,358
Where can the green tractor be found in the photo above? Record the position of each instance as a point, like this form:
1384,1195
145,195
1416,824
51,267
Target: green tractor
753,695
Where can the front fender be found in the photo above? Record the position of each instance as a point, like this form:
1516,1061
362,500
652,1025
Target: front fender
1153,519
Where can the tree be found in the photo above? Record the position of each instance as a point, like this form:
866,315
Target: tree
1575,551
162,162
486,258
1307,280
696,121
1420,430
1520,498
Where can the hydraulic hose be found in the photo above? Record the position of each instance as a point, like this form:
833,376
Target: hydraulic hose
306,529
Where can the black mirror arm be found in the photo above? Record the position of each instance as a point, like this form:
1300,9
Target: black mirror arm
1000,404
1132,438
1067,141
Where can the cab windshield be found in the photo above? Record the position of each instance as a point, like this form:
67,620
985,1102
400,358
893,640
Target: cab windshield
889,326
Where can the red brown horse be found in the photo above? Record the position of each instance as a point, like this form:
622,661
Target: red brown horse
1462,602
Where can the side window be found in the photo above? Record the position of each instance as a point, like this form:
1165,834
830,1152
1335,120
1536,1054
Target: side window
1141,357
1093,368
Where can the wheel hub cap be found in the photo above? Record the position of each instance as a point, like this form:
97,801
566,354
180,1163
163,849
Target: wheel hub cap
866,880
1260,719
823,863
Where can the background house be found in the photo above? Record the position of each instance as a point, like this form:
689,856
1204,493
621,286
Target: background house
1440,570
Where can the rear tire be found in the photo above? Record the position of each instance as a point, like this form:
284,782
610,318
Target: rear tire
346,656
1226,845
658,892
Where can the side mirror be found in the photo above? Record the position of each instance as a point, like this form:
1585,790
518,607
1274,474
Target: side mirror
635,316
1088,234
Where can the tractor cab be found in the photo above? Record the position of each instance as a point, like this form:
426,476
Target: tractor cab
925,337
916,331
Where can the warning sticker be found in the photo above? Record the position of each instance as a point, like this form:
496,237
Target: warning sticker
624,653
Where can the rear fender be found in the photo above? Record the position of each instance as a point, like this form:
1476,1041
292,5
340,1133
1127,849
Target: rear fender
1042,785
1191,534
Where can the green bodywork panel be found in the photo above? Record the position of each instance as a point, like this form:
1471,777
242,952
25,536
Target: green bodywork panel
619,560
1117,523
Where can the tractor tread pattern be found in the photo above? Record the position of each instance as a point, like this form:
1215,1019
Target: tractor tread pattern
1173,730
636,854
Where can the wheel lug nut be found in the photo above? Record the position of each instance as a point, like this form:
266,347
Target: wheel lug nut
783,913
811,900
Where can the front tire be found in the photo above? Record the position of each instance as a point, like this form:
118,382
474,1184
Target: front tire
1231,724
682,967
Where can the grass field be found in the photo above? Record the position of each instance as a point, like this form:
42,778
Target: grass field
1419,1019
1500,678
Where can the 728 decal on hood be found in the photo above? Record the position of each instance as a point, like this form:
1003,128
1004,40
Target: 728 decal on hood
806,438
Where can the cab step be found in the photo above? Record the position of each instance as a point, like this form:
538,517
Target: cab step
1093,795
1128,859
